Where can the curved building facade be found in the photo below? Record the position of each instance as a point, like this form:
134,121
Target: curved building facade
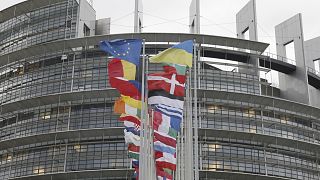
56,105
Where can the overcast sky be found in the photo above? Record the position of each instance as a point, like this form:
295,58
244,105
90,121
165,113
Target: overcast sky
217,16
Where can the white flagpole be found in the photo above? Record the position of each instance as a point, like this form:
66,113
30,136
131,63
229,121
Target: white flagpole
195,124
189,135
151,174
178,153
183,137
142,155
146,158
189,155
153,170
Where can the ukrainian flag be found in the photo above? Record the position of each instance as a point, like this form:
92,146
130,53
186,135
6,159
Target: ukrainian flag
177,54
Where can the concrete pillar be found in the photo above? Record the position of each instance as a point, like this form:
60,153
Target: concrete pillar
312,51
138,16
103,26
293,86
87,19
194,17
246,21
312,54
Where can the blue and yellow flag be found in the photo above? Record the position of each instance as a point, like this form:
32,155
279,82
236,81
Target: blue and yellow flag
125,49
177,54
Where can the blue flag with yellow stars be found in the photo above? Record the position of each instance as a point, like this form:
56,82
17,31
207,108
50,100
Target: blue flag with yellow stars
125,49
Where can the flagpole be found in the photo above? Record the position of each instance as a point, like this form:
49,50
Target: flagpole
195,103
182,152
189,160
189,133
142,155
153,170
177,175
151,161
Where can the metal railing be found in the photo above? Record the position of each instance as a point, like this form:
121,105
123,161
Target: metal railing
309,69
279,58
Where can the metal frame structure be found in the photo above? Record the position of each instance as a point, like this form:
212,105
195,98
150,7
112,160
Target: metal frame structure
231,130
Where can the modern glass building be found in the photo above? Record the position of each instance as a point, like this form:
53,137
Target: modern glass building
56,105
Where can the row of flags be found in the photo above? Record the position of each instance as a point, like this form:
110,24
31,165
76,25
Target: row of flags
123,75
165,90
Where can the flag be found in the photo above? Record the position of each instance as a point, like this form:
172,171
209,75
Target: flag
163,164
122,68
165,139
163,178
165,160
166,124
168,75
169,171
162,97
161,147
132,127
133,155
135,164
175,68
133,151
136,169
131,102
129,137
132,147
125,49
169,84
130,118
177,54
120,107
126,87
162,175
169,111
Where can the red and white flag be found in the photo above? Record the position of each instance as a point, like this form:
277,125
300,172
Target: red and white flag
165,139
172,83
165,160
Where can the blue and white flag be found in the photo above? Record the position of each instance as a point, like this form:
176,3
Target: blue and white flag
125,49
161,147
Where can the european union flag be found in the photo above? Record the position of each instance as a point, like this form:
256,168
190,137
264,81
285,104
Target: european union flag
125,49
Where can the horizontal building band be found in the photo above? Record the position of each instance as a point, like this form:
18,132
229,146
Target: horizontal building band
56,98
237,176
212,52
72,175
74,134
61,45
127,173
262,100
265,139
242,97
25,7
118,131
